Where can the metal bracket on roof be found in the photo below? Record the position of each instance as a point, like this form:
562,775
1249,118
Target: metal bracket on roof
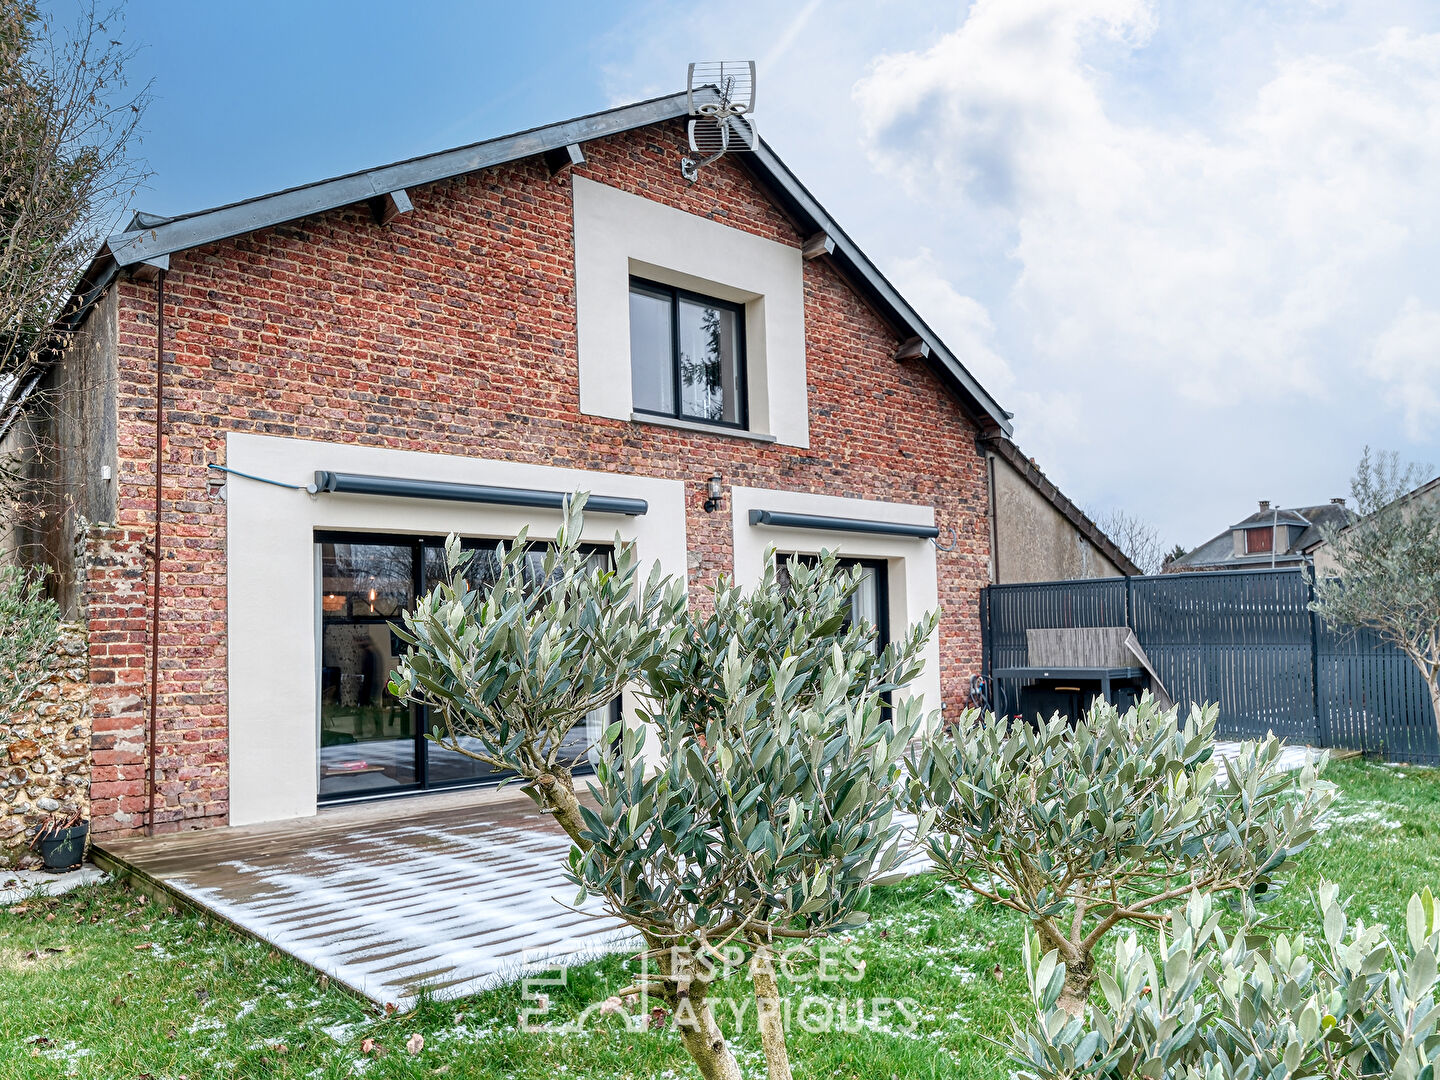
912,349
819,244
150,269
389,206
562,158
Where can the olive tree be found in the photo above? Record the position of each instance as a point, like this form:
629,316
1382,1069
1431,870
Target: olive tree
772,809
1388,565
1207,1005
1111,820
764,809
509,669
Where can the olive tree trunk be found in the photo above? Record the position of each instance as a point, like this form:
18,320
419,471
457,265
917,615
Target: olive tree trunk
694,1018
1079,978
770,1014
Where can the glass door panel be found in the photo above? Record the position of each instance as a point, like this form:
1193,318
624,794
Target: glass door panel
369,742
367,737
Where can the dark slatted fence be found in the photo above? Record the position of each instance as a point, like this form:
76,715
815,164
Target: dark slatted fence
1243,639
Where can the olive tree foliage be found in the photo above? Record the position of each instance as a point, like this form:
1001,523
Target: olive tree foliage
68,130
510,669
1111,820
772,810
29,627
1388,564
1206,1005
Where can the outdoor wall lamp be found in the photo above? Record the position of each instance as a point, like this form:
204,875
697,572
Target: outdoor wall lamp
713,491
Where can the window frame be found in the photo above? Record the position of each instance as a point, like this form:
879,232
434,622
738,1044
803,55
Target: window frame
742,373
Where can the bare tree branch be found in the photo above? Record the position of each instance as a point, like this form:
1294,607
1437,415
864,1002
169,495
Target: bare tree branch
1133,535
68,129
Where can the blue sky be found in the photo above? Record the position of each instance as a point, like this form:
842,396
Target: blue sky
1195,247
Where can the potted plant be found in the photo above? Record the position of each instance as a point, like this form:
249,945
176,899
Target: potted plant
61,841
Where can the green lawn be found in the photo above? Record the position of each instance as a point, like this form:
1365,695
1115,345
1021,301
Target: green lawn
103,984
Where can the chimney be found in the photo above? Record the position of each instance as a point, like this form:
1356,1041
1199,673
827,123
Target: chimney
1337,502
1264,505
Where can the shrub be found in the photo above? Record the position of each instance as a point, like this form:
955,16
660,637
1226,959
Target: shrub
1082,828
1204,1005
29,627
771,810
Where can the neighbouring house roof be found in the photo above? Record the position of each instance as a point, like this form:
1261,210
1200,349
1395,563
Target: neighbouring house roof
1266,518
1309,542
1087,528
1218,552
150,240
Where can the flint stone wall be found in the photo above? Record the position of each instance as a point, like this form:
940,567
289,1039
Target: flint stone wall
45,751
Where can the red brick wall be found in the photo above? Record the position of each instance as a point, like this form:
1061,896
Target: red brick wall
452,330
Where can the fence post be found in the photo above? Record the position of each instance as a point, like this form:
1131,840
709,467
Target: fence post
1322,724
985,634
1129,603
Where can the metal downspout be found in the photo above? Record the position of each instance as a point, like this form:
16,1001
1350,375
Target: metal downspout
155,549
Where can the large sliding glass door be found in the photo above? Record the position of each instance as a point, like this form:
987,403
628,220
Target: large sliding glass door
370,743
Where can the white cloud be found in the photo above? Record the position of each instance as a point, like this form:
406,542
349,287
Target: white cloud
1172,238
1236,270
1406,359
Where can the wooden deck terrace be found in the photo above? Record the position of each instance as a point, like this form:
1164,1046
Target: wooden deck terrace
455,892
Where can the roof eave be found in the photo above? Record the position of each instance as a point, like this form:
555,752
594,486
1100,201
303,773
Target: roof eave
182,233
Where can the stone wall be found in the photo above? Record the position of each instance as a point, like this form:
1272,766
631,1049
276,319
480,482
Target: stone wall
45,751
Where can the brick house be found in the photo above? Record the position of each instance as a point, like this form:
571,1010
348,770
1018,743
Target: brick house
352,369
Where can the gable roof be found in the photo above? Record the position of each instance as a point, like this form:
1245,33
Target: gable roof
1219,550
1082,522
151,239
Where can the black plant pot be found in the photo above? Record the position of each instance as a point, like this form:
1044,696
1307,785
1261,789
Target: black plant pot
64,850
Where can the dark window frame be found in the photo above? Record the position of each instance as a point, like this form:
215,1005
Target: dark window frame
881,568
742,372
420,585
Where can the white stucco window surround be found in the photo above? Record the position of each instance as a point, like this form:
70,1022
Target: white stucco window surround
619,235
272,589
910,562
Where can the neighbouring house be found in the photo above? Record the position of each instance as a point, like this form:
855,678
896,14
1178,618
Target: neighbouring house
281,407
1317,548
1037,534
1272,536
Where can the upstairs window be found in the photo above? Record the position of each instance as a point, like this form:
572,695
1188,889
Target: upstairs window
687,355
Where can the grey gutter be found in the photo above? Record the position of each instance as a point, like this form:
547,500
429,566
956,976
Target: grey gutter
780,520
398,487
207,226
